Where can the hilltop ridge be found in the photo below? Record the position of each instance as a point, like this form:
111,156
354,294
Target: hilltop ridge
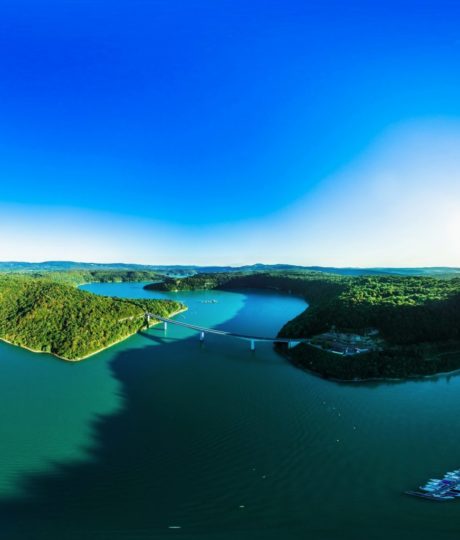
184,270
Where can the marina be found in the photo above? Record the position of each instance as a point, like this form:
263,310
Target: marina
445,489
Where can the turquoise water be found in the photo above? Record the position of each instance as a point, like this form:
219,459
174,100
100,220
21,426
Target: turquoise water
162,432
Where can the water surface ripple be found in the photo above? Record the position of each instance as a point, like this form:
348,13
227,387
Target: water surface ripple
162,432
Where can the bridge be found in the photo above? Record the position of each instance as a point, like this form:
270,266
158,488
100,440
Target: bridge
291,342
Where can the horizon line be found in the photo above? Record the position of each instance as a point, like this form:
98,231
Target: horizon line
62,261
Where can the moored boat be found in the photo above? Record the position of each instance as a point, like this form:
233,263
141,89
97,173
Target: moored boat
440,489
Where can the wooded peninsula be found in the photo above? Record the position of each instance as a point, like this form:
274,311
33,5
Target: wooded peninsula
48,313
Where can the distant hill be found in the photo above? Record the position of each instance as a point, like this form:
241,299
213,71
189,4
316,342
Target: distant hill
58,266
187,270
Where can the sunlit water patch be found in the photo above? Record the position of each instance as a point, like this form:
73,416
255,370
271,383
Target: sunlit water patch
47,407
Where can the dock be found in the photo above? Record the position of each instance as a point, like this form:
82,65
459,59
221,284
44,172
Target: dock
439,490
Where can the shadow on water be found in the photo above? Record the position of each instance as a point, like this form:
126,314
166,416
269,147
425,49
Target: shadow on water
177,454
379,383
136,481
174,460
149,467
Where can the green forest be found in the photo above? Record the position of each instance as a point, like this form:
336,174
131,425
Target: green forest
49,314
78,277
418,318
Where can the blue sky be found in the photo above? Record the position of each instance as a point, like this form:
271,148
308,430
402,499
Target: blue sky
230,132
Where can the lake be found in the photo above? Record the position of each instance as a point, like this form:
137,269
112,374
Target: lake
163,437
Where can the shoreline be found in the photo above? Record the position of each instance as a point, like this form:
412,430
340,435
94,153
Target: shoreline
74,360
284,354
299,365
413,378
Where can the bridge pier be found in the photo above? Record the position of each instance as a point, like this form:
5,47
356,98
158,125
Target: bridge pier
202,331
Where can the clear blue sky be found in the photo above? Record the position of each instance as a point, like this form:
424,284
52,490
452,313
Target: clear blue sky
229,131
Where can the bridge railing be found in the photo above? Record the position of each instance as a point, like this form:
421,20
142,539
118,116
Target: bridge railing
204,330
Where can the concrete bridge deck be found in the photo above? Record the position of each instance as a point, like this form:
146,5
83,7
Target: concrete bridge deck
204,330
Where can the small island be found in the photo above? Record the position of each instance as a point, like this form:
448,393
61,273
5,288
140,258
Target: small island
361,328
47,313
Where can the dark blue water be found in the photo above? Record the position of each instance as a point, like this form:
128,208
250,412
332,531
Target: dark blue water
161,437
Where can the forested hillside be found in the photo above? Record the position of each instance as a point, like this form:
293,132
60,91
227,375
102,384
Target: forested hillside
418,318
78,277
405,310
314,285
47,316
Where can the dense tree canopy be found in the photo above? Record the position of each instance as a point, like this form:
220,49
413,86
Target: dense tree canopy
417,317
49,316
77,277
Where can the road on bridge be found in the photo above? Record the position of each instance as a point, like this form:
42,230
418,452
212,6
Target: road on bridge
203,330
